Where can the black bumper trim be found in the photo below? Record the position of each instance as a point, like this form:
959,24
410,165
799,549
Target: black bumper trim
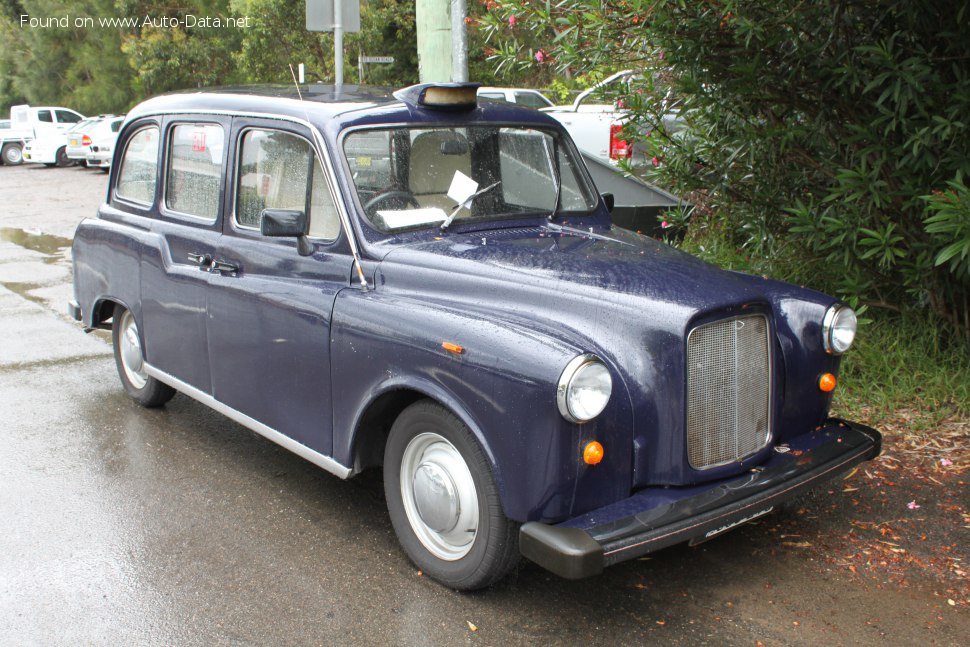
575,553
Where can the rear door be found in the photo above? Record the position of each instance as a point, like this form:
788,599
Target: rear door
187,229
269,307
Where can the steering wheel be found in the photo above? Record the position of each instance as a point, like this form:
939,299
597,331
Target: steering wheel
403,198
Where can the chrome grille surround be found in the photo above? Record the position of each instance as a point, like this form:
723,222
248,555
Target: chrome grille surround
728,390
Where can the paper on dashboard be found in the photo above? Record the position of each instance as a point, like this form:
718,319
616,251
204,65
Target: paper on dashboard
396,219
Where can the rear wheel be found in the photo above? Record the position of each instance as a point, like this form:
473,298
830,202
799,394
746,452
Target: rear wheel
62,158
12,154
130,360
443,501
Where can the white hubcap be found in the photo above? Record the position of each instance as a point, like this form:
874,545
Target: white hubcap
129,345
439,496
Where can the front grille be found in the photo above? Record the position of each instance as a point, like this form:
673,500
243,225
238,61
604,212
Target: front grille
728,390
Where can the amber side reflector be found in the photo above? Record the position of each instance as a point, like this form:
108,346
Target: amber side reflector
826,382
593,453
452,348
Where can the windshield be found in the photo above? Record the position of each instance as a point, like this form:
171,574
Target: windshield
419,177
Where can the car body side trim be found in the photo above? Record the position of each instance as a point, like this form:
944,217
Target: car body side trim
269,433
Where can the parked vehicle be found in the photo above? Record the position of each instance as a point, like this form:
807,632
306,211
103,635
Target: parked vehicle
517,96
102,140
531,378
46,126
597,128
79,139
12,143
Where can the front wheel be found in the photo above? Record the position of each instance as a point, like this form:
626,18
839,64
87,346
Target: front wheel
62,158
443,501
130,360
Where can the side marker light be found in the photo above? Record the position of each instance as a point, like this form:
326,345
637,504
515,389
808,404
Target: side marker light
593,453
452,348
827,382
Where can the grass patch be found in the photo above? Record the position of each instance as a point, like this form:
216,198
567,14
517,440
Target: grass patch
899,370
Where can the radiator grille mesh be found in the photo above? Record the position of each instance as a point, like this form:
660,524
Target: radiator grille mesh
728,390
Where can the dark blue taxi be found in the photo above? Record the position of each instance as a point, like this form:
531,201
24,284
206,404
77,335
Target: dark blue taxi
431,284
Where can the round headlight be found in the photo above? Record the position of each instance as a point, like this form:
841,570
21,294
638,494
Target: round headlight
838,329
584,389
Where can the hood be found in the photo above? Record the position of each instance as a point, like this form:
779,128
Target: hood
610,265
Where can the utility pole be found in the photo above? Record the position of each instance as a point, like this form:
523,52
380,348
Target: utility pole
459,41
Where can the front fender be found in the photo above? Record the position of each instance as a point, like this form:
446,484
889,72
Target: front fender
503,386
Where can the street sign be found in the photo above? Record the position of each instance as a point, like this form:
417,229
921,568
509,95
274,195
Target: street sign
376,59
319,15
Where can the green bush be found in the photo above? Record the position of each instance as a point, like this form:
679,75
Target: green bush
835,132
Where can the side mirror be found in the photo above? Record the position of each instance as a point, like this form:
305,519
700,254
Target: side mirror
286,223
609,200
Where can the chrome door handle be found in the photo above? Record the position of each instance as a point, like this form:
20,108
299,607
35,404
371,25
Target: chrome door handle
223,267
202,260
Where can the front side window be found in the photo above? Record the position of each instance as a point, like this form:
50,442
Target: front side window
65,117
416,177
194,170
277,170
531,100
139,167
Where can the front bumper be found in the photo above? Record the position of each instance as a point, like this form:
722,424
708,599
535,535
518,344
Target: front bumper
655,518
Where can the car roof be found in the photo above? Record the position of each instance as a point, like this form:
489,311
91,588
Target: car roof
330,106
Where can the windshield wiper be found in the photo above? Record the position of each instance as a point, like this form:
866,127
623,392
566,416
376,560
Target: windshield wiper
467,201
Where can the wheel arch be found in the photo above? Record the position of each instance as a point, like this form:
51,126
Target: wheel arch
374,419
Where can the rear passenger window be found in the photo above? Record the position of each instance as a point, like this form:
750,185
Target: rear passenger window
275,173
136,179
194,170
45,116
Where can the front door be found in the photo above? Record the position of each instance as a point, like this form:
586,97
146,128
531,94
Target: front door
269,307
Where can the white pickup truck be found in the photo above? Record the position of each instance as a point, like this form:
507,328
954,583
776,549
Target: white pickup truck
596,127
43,129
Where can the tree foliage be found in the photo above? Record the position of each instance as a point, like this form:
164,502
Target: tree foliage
834,130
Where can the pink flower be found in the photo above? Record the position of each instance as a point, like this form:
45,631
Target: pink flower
655,161
946,462
540,56
664,224
512,21
661,55
912,505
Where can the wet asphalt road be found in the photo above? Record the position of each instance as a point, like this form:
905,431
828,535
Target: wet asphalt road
127,526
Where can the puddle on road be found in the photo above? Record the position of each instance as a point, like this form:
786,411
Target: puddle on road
38,242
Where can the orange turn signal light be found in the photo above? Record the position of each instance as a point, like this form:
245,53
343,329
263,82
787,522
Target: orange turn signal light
827,382
452,348
593,453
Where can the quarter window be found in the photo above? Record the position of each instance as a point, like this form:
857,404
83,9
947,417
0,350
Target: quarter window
194,170
277,170
139,167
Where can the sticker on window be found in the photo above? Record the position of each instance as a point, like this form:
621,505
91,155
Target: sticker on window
412,217
198,141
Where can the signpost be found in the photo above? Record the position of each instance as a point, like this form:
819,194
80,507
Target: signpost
338,16
361,60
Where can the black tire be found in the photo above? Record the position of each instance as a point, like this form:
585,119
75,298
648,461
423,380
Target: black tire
62,158
143,389
494,549
12,154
